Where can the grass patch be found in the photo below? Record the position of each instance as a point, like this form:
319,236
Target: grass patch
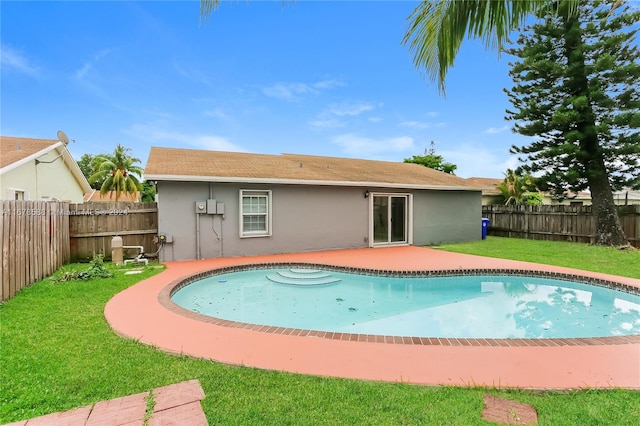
607,260
57,353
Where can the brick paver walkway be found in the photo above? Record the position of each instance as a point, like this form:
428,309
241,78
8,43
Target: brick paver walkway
177,404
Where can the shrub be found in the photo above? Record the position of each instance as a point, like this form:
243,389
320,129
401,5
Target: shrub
96,270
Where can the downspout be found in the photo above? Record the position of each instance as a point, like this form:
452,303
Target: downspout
198,236
213,222
221,239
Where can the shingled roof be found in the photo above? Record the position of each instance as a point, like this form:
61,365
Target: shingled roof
217,166
489,186
15,152
15,149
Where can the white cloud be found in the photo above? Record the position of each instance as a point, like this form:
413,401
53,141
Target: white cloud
414,124
331,117
327,123
294,91
349,108
328,84
84,70
13,60
364,147
91,81
289,91
421,123
218,113
154,134
192,73
214,143
496,130
476,161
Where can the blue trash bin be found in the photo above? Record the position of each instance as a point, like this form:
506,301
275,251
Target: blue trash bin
485,227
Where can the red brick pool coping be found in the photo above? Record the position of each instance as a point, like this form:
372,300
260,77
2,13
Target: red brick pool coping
167,292
144,312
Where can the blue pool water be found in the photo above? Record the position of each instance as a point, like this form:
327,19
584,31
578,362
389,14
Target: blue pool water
507,306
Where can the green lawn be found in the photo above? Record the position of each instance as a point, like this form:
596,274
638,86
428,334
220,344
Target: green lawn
607,260
57,353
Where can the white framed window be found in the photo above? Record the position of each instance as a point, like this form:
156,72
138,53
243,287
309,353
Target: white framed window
255,213
16,194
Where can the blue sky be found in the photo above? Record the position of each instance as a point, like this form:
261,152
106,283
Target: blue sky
317,78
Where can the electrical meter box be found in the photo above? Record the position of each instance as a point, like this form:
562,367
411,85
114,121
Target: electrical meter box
201,207
211,206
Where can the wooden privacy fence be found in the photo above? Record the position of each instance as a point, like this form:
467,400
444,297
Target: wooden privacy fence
93,225
38,237
556,223
34,242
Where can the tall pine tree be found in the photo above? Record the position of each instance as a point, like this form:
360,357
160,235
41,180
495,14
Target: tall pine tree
576,92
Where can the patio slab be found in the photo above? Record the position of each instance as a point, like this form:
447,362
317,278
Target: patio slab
501,363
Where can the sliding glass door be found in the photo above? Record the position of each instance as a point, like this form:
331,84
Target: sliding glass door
390,219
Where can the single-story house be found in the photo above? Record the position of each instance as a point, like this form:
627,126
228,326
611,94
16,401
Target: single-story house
221,204
489,186
39,170
492,195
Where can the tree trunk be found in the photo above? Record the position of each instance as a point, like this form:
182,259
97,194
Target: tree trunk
608,228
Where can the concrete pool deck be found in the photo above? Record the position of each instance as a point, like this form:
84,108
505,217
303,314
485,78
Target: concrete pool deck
138,313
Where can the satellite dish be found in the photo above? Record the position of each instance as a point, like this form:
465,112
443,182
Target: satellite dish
62,137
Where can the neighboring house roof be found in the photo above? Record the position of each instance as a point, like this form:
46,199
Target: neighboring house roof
582,195
216,166
18,151
95,196
488,185
629,194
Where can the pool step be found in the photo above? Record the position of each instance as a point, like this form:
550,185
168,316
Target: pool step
302,277
305,271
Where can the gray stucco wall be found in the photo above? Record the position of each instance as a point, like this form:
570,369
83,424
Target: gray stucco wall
446,217
304,218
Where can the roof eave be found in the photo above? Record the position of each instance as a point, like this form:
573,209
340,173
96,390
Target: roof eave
220,179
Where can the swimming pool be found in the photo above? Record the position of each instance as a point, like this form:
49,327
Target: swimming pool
450,304
145,312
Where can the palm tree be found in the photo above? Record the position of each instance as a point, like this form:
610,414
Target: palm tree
117,172
438,27
519,189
